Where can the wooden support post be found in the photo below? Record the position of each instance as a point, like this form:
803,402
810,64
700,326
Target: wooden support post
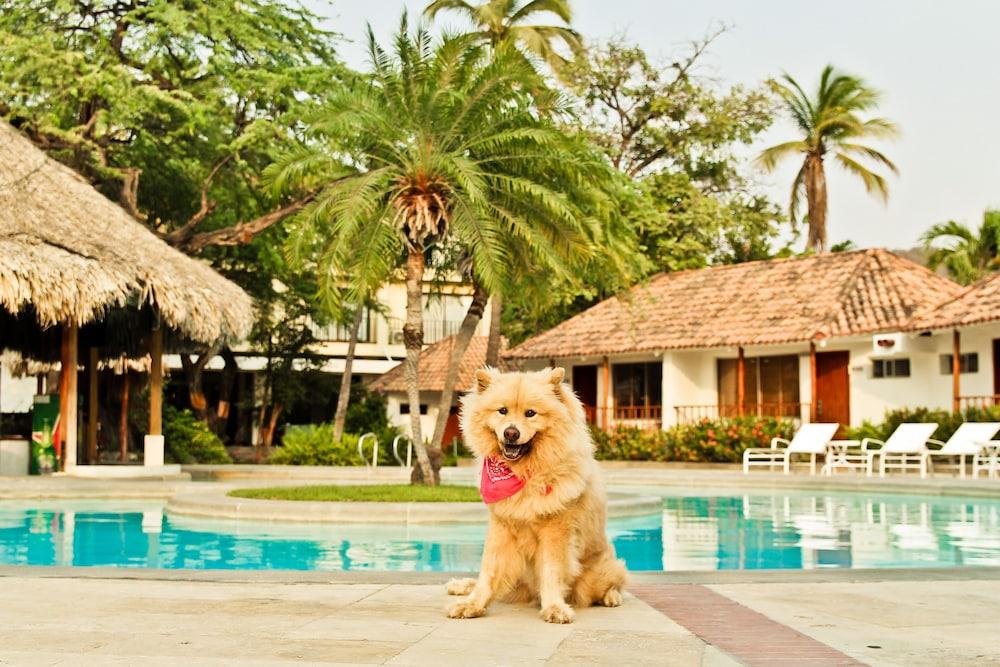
813,411
92,406
68,395
156,382
605,409
741,374
123,423
956,370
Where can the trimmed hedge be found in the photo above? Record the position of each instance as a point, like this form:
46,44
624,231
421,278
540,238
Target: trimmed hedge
707,440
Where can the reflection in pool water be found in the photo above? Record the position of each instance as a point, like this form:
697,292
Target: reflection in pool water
695,532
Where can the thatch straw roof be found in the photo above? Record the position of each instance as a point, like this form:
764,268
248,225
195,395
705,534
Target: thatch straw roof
68,254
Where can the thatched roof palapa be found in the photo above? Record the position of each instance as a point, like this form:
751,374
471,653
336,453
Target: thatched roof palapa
68,254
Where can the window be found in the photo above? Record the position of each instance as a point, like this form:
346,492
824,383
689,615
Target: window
891,368
342,332
770,385
637,390
404,408
967,363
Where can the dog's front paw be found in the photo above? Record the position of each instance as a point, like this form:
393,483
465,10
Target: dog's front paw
560,612
465,610
460,586
613,598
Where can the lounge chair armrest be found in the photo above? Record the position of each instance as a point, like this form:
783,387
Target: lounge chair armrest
936,443
865,442
776,440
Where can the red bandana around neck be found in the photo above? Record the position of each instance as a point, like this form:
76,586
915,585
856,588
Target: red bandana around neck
498,481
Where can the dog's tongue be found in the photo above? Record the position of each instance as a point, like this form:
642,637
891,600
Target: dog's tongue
498,481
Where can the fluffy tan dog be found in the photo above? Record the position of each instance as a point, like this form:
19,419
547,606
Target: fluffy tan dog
546,539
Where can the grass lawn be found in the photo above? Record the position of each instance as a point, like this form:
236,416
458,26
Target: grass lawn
380,493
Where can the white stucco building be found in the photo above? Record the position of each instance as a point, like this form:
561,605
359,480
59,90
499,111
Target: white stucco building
836,337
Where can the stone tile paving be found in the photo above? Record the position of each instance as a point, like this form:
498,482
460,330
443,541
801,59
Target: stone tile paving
66,621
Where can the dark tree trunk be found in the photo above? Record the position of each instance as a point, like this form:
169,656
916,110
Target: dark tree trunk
413,339
344,397
461,343
493,344
815,178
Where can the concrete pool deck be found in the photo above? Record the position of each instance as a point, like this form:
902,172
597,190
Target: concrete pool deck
58,616
79,616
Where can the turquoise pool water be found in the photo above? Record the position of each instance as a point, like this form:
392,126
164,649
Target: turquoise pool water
724,531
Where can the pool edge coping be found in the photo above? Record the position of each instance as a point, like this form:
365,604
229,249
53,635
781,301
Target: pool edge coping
695,577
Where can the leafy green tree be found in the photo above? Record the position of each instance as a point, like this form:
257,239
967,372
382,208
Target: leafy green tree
497,21
650,118
171,108
966,254
831,121
447,152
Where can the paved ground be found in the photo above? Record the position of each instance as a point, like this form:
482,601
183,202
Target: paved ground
146,621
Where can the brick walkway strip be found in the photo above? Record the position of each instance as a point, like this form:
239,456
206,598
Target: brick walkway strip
747,635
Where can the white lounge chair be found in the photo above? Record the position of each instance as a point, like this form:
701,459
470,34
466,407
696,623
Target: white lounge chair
964,444
906,448
811,439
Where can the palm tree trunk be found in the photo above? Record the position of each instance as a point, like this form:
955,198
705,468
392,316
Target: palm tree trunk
413,340
493,344
344,397
459,346
816,197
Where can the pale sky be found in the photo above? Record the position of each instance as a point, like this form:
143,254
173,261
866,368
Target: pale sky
937,63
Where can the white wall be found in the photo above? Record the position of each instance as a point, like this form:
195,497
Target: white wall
393,402
16,394
689,376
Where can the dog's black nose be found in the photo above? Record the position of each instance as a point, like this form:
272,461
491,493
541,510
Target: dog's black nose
511,434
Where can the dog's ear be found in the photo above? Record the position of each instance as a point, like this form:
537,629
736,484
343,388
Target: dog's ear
556,376
484,376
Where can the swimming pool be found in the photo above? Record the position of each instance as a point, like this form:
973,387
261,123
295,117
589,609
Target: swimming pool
695,531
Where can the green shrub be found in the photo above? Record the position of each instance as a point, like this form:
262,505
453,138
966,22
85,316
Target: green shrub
187,439
367,413
948,422
717,441
313,445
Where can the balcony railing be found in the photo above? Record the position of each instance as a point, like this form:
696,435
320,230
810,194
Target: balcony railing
687,414
646,417
434,330
981,402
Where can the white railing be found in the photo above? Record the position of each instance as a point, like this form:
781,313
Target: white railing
409,450
361,449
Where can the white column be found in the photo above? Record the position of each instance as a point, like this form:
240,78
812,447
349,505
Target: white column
667,391
805,385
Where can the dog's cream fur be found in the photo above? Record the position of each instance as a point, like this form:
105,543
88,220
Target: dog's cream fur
547,541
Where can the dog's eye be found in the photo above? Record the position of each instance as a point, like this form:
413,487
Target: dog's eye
502,411
530,413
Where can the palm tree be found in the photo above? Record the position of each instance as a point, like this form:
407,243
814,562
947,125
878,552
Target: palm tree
445,152
830,122
967,255
501,20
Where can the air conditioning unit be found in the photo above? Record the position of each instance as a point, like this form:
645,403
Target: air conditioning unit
397,338
889,344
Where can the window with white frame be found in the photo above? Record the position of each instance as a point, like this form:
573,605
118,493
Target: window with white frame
967,363
891,368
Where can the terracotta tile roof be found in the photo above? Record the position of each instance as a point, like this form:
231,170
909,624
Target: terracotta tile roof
975,304
434,362
763,302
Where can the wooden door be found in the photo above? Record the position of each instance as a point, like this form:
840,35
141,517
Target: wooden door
585,386
452,430
996,367
833,388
